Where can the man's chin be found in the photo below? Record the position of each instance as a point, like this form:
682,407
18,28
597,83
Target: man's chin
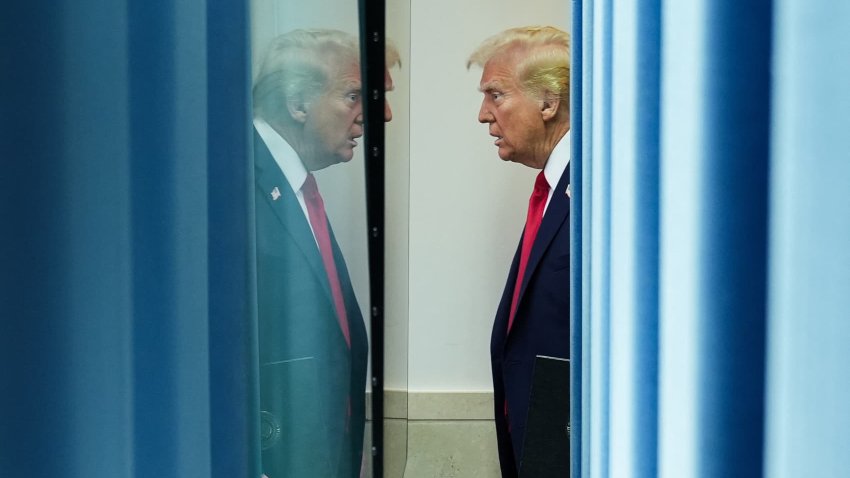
342,156
345,155
514,158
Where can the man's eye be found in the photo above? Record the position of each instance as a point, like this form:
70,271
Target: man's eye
353,97
495,95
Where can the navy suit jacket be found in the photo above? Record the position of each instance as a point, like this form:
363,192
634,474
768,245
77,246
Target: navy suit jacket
541,325
312,387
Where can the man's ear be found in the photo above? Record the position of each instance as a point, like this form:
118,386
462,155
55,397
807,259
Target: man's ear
297,107
549,106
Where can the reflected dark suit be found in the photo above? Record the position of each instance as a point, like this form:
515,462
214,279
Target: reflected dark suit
541,325
307,373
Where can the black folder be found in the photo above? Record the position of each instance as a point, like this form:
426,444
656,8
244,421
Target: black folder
546,447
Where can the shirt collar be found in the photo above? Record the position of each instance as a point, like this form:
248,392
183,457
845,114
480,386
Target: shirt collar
558,161
285,157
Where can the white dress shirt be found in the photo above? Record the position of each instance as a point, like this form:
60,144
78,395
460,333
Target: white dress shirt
288,161
556,165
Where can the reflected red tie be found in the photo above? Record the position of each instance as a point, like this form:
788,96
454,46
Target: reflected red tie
319,221
536,204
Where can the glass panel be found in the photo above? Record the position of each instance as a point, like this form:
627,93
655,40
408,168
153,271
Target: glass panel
312,263
396,299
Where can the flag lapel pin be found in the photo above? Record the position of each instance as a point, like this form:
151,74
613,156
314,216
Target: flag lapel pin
275,194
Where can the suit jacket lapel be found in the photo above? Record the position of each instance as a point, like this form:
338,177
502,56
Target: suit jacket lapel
556,214
287,210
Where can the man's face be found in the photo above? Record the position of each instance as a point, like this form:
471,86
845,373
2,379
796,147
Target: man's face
515,119
334,121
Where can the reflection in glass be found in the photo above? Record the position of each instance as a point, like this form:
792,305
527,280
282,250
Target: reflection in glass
313,345
308,116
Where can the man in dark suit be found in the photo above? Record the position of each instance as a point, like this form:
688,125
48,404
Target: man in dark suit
313,347
525,82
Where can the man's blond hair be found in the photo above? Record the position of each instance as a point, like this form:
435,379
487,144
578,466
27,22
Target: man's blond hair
543,67
392,56
301,63
306,63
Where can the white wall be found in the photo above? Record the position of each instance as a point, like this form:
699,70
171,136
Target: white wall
467,207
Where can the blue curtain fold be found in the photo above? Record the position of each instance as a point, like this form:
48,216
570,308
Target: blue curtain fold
714,240
233,350
577,384
596,215
126,337
634,280
808,384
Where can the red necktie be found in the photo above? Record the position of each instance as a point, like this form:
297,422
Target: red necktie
319,221
536,204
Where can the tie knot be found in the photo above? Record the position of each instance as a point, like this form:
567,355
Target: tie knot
541,186
309,188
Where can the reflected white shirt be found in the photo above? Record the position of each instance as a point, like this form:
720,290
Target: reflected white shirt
288,161
556,165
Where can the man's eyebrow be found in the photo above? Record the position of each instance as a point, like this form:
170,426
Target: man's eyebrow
349,84
490,86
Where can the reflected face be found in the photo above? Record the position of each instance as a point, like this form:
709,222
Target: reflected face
515,119
335,121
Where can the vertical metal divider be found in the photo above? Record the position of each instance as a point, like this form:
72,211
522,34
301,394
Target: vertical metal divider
372,65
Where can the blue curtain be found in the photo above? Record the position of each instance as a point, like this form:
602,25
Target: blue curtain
578,405
714,283
127,336
808,381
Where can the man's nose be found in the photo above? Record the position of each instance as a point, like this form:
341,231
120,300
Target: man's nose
484,115
388,112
